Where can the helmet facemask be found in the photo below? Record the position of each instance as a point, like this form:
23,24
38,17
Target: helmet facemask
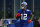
23,6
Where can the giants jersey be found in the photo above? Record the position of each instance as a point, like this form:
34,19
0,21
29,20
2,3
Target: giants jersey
24,15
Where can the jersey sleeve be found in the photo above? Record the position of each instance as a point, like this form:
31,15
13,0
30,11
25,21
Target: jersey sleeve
30,12
18,11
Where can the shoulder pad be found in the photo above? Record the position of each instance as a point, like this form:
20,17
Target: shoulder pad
27,10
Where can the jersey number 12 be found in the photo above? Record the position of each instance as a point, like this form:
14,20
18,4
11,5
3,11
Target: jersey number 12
24,16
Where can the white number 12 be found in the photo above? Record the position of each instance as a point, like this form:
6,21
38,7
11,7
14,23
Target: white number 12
24,17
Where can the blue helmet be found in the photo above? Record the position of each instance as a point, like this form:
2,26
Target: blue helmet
25,5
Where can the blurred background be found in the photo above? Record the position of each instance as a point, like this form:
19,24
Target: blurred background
9,8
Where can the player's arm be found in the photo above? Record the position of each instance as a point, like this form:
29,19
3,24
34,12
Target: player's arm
30,14
18,14
31,17
29,21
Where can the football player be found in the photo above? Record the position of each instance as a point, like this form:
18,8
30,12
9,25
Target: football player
24,14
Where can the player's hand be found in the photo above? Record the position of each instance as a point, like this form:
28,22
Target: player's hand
29,21
18,15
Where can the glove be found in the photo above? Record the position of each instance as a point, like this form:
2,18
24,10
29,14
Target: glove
18,15
29,21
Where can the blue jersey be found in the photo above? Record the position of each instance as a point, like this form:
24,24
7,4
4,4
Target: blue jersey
24,15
